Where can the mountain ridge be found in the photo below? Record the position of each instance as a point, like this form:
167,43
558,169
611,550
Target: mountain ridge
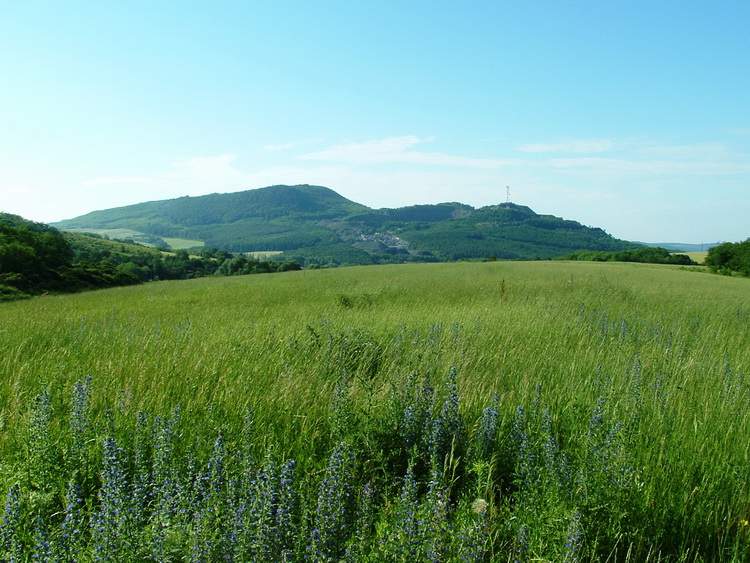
314,224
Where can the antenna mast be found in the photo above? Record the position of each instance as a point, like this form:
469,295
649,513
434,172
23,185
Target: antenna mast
507,194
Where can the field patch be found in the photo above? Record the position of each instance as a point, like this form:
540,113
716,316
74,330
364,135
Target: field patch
698,257
111,233
182,243
263,254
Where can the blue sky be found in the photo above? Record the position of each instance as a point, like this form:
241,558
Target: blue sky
629,116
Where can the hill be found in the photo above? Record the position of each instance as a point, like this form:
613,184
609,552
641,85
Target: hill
682,246
316,225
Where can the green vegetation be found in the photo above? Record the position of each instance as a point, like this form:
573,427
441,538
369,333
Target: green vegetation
36,258
508,231
149,264
314,225
729,258
654,255
474,411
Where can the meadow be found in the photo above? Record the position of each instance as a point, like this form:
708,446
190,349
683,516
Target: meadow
475,411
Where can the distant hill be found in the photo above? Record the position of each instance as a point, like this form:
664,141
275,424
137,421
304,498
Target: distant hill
316,225
682,246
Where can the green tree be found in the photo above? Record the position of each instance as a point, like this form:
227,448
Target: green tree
730,257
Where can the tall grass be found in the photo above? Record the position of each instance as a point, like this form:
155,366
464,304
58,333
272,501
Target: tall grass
474,411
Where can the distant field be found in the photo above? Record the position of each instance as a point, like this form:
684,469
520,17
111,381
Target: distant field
598,410
111,233
698,257
264,254
174,243
182,243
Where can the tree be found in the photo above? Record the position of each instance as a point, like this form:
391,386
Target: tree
730,257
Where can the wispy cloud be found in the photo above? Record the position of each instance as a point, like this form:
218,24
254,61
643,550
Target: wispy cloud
107,180
581,146
291,145
15,191
654,161
398,150
203,169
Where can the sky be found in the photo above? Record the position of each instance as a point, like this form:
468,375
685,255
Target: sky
629,116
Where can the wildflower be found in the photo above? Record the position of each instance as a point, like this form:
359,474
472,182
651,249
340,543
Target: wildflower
79,423
474,536
208,522
357,548
525,466
574,540
261,519
41,446
486,438
284,512
333,516
72,526
110,523
43,550
521,548
447,430
408,537
9,530
436,511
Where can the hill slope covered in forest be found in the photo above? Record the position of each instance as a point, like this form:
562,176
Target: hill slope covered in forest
314,224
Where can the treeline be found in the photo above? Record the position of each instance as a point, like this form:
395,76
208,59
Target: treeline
729,258
36,259
651,255
149,264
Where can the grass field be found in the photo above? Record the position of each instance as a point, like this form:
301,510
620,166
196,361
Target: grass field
440,412
174,243
698,257
182,243
264,254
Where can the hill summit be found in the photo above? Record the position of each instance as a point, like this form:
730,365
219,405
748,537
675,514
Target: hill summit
316,225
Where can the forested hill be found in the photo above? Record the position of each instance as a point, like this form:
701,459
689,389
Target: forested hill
316,225
36,259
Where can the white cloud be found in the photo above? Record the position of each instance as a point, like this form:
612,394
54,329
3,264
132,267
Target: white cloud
396,150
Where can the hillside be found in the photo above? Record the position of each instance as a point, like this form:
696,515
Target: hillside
313,224
36,259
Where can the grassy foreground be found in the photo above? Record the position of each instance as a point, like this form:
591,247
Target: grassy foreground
439,412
